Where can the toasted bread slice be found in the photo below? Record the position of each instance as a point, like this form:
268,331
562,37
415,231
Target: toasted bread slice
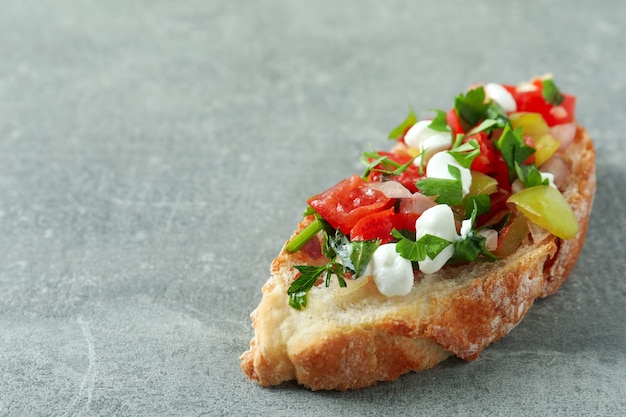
350,338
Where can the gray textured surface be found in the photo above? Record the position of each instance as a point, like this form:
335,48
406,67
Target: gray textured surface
155,155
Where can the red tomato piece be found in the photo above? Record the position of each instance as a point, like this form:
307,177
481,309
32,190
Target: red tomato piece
405,221
490,161
374,226
379,225
533,101
453,121
482,162
510,88
348,201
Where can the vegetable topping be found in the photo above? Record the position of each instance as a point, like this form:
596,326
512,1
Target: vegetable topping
469,179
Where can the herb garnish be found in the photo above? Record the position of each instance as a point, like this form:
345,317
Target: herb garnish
353,259
448,191
515,152
464,153
551,93
439,123
471,107
417,251
472,247
373,159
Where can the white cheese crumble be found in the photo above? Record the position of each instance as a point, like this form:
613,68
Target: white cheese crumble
500,95
428,141
437,221
438,168
392,273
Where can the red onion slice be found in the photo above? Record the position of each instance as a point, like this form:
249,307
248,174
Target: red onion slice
492,238
392,189
417,203
564,133
558,167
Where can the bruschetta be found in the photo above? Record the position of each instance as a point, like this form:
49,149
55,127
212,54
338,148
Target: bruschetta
438,248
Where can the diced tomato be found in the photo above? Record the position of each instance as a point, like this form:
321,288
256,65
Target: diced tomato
408,177
453,121
533,101
379,225
348,201
510,88
405,221
490,161
374,226
482,162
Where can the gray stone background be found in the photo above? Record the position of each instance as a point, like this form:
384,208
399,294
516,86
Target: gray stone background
154,156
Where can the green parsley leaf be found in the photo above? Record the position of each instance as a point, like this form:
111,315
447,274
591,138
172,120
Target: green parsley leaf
496,112
448,191
514,150
327,248
354,258
471,107
439,123
373,159
343,248
551,93
485,125
471,249
530,176
480,203
299,289
361,255
354,255
466,152
427,246
399,130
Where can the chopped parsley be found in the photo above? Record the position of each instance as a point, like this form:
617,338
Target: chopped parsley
466,152
448,191
439,123
480,203
514,150
530,176
551,93
417,251
375,162
472,247
471,107
353,259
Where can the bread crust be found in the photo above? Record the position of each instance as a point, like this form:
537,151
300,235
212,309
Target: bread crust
350,338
